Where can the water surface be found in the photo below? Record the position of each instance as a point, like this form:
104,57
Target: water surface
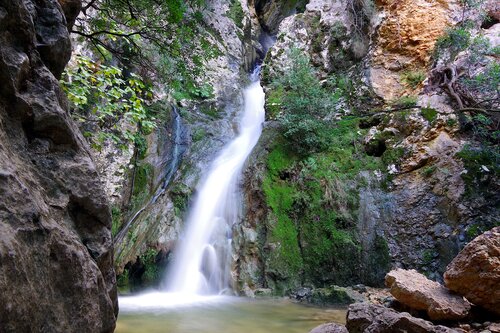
221,314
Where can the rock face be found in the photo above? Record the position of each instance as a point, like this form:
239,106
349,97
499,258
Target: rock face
56,253
418,292
329,328
369,318
475,272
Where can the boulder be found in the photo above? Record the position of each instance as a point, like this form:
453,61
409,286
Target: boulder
335,295
475,271
371,318
418,292
329,328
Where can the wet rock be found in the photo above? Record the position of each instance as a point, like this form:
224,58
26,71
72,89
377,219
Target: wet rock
329,328
370,318
417,292
302,294
263,292
335,295
475,272
56,253
359,288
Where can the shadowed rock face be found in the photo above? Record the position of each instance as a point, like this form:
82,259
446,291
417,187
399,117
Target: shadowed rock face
56,259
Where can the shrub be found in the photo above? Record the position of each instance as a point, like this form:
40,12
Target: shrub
413,78
104,95
304,103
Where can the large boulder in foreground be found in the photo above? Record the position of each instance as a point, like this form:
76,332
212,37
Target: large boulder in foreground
329,328
371,318
56,250
418,292
475,271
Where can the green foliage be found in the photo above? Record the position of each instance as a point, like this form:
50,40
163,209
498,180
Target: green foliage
122,281
303,103
413,78
235,13
151,273
142,185
405,101
429,114
198,134
392,156
117,219
480,162
314,204
104,96
427,256
454,41
428,170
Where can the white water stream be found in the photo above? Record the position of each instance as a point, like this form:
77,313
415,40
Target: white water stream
202,263
202,260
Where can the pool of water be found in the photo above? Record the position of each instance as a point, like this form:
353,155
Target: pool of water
165,313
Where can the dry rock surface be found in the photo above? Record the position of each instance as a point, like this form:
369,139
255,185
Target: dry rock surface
329,328
475,271
56,255
370,318
416,291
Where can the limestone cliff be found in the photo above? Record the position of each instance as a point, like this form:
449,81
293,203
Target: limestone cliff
56,252
427,201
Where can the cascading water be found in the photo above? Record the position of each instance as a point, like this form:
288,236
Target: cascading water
203,259
172,162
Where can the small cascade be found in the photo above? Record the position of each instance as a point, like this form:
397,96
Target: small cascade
202,262
172,162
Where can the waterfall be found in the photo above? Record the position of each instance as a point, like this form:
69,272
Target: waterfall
172,164
202,263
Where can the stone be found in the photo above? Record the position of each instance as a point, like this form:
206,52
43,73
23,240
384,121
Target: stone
335,295
475,271
494,328
329,328
417,292
56,249
371,318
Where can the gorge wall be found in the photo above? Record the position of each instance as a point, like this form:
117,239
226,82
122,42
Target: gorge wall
425,200
56,251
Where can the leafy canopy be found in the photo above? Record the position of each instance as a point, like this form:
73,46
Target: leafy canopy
103,95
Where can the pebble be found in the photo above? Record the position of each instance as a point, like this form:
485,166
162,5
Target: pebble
477,325
465,327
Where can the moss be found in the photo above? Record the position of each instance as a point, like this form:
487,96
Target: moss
142,185
273,102
117,219
180,195
392,156
198,134
413,78
151,271
429,114
123,283
210,111
428,170
405,101
236,13
427,257
331,296
314,204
